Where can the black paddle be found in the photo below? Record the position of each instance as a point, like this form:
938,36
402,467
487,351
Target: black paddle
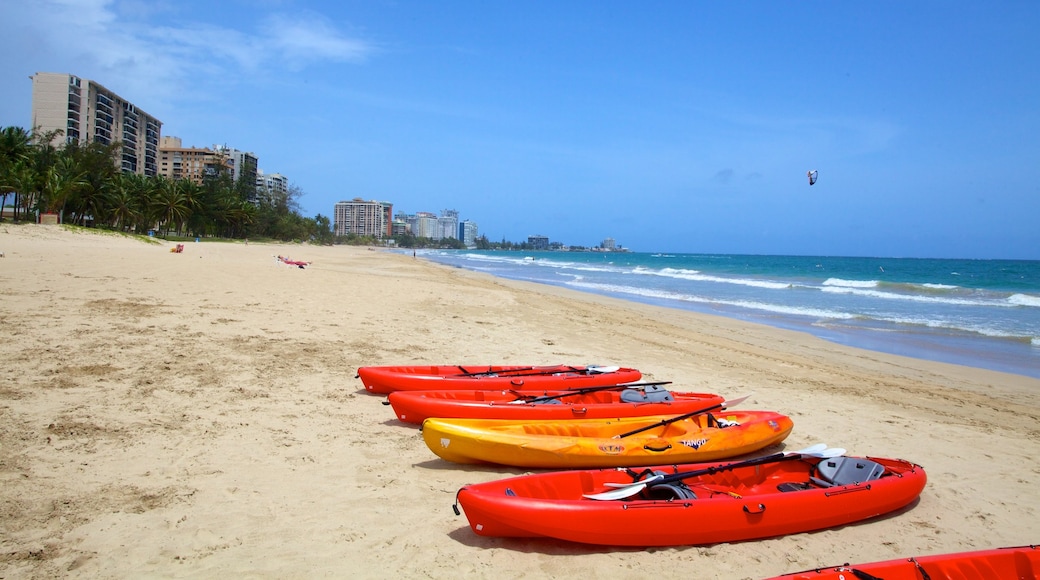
628,490
671,420
466,373
570,393
522,372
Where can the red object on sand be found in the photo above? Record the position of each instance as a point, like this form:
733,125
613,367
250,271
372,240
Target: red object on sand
752,501
636,400
438,377
1022,563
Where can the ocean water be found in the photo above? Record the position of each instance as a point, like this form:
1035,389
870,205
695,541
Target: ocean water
981,313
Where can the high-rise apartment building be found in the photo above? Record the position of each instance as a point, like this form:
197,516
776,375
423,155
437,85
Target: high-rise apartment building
363,218
468,233
448,224
538,242
179,162
426,225
86,112
271,182
243,164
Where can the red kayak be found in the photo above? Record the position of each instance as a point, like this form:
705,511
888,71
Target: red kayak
1021,563
694,504
439,377
632,400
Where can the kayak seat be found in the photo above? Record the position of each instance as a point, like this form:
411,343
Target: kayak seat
846,471
648,394
546,402
670,491
667,491
794,486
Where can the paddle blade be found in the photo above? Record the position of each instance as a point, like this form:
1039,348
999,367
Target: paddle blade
735,402
621,493
592,369
818,448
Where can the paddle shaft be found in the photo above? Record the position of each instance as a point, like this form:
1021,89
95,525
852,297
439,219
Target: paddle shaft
522,372
593,390
774,458
671,420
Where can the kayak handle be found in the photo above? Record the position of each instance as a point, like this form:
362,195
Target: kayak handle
847,490
580,411
658,448
756,509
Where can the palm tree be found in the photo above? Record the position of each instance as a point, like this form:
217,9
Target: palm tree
15,145
193,199
170,204
125,199
97,162
62,181
23,180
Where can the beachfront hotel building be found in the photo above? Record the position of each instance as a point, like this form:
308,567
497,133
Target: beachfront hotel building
468,233
538,242
272,183
192,163
86,112
363,218
243,164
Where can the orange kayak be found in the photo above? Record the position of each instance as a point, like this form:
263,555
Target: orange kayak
1021,563
635,400
766,497
618,442
438,377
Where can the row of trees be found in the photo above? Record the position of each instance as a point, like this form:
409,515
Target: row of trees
83,184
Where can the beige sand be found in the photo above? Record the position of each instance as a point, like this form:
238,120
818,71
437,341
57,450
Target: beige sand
197,415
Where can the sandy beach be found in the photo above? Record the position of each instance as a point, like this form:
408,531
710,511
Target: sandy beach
197,415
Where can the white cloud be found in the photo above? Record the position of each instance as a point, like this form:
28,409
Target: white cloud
298,39
136,53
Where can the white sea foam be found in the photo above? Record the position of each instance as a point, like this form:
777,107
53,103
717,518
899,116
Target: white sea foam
850,283
1024,300
913,297
762,306
696,276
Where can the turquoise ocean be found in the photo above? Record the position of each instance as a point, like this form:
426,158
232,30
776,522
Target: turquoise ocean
980,313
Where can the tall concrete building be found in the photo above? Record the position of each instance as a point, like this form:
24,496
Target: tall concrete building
242,163
86,112
179,162
363,218
426,225
538,242
271,182
468,233
448,224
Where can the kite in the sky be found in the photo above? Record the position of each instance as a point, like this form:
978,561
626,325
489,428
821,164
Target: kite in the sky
812,176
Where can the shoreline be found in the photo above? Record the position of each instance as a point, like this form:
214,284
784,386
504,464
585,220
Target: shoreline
196,414
1000,354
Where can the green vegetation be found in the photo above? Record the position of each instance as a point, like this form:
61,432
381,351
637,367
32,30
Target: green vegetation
84,186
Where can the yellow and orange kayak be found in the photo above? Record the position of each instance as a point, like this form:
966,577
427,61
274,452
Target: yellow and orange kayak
617,442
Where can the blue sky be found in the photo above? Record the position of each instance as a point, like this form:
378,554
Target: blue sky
669,126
